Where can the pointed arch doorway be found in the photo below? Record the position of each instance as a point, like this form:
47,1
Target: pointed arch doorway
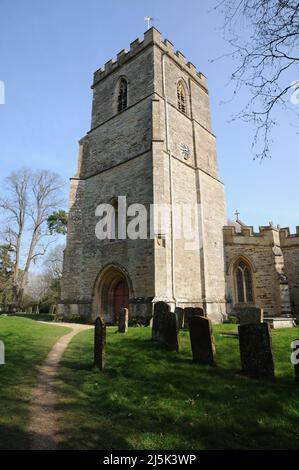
112,293
120,298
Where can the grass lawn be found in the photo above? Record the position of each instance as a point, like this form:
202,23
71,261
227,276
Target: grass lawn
148,398
27,344
34,316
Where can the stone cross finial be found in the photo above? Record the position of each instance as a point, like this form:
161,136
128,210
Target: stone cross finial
149,20
237,213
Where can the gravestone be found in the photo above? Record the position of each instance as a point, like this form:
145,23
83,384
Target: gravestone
250,315
161,310
256,351
123,320
100,344
171,333
180,317
189,312
295,358
2,353
201,337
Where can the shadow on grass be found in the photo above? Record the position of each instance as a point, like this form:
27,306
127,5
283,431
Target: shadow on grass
150,398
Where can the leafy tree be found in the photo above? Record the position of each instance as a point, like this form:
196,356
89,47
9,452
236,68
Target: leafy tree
264,35
57,222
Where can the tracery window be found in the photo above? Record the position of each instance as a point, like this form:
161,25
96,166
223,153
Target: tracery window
243,280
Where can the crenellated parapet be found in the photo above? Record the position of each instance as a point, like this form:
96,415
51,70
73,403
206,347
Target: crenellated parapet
152,36
246,235
289,239
266,234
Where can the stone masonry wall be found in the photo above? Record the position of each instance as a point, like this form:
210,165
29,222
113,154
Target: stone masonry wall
290,248
262,251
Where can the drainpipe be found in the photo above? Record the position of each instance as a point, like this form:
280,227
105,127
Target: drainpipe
170,177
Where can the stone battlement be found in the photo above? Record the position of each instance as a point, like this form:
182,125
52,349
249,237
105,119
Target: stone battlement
265,232
285,233
248,230
152,36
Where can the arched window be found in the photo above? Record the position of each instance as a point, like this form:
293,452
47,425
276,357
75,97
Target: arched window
243,280
181,95
122,99
114,219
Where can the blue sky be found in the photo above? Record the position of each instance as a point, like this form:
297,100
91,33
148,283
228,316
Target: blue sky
49,50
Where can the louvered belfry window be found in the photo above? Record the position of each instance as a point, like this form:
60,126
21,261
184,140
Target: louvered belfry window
122,95
181,97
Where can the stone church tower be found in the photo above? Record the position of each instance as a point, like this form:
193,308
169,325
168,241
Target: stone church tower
150,141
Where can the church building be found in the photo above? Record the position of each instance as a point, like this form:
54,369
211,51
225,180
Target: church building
151,144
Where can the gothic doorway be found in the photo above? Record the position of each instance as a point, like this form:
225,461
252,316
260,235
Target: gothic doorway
121,298
112,293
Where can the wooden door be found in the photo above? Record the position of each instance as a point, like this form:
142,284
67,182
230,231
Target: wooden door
121,298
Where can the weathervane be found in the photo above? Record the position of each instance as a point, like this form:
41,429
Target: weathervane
149,20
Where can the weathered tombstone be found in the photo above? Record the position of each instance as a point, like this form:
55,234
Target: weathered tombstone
161,310
171,333
295,358
201,337
189,312
256,351
250,315
180,317
2,353
99,344
52,309
123,320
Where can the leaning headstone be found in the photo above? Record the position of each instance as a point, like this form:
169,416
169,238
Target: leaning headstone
161,310
295,358
189,312
2,353
171,333
250,315
201,337
99,344
256,351
180,317
123,320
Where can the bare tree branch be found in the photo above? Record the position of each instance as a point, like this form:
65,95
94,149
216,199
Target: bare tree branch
266,52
